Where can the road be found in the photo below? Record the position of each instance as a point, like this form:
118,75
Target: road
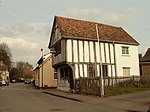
18,97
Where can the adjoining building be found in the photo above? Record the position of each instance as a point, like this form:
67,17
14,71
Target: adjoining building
4,74
89,49
145,63
45,76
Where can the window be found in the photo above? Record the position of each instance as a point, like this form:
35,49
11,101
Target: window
55,74
125,50
64,72
91,71
126,71
105,70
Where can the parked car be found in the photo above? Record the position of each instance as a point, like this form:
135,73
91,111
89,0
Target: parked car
0,83
13,81
28,81
3,82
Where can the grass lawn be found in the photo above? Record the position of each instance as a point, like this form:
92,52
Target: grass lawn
124,90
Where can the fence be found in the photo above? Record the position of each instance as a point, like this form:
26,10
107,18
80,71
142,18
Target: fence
92,85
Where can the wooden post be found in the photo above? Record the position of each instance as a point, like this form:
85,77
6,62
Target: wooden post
101,71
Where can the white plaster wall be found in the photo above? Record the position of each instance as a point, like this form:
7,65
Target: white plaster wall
91,51
69,51
112,53
109,70
81,70
75,51
98,70
130,60
98,52
113,69
107,53
102,52
86,51
76,71
85,70
80,51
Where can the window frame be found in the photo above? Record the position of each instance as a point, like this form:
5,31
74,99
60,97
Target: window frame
125,50
55,75
125,72
105,70
91,70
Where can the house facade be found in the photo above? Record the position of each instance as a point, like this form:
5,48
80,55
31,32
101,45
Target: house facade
44,73
4,74
145,63
88,49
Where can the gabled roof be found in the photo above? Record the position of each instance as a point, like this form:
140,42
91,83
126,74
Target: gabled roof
73,28
42,59
146,57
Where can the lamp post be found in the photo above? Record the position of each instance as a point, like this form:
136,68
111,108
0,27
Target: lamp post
42,66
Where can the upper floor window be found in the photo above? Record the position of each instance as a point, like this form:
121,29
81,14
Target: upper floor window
125,50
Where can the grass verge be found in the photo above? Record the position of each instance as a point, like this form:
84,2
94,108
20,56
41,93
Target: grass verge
124,90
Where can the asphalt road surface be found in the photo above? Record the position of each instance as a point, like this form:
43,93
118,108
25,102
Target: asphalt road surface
19,97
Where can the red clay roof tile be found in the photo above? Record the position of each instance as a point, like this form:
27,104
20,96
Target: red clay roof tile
85,29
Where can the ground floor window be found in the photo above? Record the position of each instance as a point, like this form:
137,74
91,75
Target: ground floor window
126,71
55,74
105,70
64,72
91,70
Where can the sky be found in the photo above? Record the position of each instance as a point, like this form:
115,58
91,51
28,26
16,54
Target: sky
25,25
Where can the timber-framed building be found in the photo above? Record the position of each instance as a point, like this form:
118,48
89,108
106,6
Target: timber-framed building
89,49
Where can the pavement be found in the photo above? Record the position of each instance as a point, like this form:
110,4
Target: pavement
135,102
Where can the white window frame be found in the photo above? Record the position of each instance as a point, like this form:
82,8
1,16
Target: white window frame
55,75
126,71
125,50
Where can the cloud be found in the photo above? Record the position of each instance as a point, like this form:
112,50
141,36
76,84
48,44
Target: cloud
21,49
100,15
26,29
26,40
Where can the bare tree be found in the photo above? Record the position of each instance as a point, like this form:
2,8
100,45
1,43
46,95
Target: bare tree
5,54
25,69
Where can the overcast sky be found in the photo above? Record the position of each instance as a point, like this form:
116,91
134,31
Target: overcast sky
25,25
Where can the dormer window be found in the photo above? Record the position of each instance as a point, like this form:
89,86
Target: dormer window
125,50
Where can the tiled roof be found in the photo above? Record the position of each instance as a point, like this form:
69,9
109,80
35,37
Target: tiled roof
86,29
146,57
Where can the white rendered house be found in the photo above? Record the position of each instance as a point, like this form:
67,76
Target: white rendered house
88,49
